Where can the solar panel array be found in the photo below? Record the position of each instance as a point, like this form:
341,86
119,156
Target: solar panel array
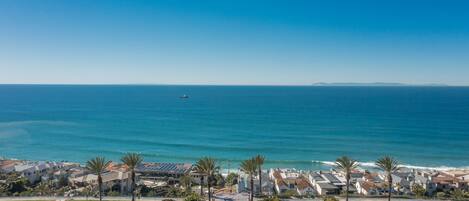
164,167
317,177
331,178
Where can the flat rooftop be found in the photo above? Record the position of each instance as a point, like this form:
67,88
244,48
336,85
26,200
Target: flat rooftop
331,178
327,186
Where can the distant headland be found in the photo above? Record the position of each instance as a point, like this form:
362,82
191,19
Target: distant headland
377,84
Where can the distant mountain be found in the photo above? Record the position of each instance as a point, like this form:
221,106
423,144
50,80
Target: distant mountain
377,84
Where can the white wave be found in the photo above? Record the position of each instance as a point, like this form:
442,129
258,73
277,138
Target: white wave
328,163
373,165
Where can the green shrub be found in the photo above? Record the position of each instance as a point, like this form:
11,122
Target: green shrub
288,194
173,192
418,190
458,194
193,197
441,195
231,179
26,193
271,199
330,198
113,193
151,193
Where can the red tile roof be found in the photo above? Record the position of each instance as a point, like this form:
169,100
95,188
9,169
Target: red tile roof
303,183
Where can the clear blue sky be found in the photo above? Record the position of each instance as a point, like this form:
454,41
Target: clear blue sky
234,41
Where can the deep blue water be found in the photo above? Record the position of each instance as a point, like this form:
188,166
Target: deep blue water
291,126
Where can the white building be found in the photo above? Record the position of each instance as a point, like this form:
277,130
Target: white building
326,183
303,187
34,171
368,188
244,184
370,184
113,180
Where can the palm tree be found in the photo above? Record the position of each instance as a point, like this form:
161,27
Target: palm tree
132,160
201,183
186,181
98,165
346,164
250,167
389,165
207,167
259,162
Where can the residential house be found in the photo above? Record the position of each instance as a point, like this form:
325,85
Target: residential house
370,184
425,182
279,183
7,166
244,184
34,171
327,189
303,187
448,182
328,183
112,181
166,172
462,177
369,188
315,178
401,182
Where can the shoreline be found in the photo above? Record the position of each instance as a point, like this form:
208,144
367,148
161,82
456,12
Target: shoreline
74,179
326,164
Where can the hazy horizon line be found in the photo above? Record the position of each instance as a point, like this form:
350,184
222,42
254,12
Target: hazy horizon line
317,84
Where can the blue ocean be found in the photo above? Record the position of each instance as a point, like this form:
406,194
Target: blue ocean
300,127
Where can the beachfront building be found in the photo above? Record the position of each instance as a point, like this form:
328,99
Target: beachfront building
424,180
355,175
77,171
303,187
162,172
279,184
329,183
321,185
369,188
335,180
290,179
244,184
285,179
118,181
371,184
315,178
37,171
7,166
327,189
401,181
444,181
461,177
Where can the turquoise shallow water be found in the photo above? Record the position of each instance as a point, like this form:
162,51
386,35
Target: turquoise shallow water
292,126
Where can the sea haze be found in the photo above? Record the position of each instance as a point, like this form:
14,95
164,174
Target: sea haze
298,127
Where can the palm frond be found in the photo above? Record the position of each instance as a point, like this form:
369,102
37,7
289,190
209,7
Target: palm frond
249,166
207,166
132,160
97,165
259,159
346,164
388,164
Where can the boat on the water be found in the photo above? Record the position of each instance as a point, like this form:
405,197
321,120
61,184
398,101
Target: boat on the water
184,96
